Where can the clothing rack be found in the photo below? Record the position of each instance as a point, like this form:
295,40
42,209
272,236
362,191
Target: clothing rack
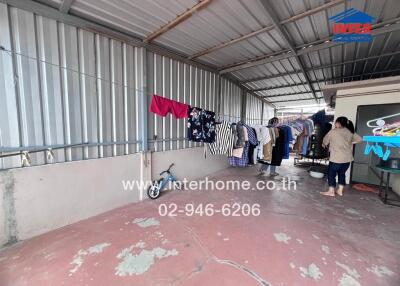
310,159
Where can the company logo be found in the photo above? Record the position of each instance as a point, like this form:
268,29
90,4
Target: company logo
352,25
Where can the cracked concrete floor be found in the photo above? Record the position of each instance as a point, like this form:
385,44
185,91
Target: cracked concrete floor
299,238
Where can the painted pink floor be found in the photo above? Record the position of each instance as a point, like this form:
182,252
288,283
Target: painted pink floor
300,238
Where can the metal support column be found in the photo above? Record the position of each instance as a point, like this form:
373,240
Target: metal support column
143,97
244,106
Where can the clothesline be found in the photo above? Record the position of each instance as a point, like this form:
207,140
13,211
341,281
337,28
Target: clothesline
292,118
79,73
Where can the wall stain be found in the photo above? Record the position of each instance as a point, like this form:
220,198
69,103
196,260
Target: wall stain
7,179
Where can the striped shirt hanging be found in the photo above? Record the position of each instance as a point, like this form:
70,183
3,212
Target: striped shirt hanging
224,139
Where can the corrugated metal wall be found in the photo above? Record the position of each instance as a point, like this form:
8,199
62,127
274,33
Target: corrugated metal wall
268,113
231,100
253,110
184,83
63,85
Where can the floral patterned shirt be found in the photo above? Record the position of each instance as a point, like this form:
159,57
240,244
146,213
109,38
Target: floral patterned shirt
201,125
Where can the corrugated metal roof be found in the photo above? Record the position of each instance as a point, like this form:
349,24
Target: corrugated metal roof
225,20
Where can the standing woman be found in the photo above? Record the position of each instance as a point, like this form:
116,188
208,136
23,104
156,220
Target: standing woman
340,141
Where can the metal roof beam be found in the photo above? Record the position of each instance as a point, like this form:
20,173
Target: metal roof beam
266,29
286,38
246,89
178,20
292,100
360,75
66,5
231,42
270,76
378,29
327,43
281,86
321,67
328,79
312,11
272,57
99,27
286,94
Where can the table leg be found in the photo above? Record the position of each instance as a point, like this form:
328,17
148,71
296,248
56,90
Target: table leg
380,185
387,186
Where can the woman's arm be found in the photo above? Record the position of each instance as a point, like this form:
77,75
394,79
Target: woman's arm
356,138
327,139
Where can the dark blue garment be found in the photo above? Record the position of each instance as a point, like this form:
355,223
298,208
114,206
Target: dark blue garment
251,134
339,169
305,146
288,139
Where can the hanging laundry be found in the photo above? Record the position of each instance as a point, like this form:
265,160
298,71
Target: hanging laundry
240,162
263,137
287,140
201,125
240,135
268,147
162,106
238,152
252,148
224,140
252,140
298,145
278,149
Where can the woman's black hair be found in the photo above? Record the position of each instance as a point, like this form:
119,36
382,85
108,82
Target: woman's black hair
345,122
273,121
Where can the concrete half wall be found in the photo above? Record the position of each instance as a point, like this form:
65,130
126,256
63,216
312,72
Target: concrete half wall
38,199
189,163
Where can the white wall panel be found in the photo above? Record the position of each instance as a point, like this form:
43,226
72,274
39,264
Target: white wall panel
27,80
268,113
253,110
70,80
63,85
230,101
182,82
9,121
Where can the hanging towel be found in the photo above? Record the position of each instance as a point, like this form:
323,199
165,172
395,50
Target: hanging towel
238,152
162,106
179,110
